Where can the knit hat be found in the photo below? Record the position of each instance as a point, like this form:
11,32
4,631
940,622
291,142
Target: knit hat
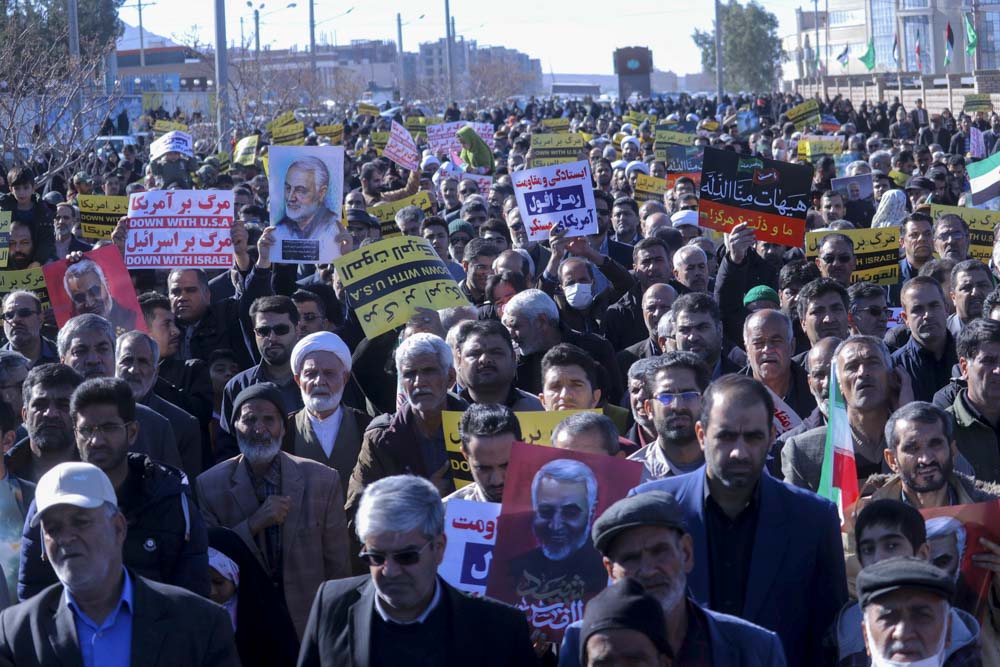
460,225
266,390
761,293
624,605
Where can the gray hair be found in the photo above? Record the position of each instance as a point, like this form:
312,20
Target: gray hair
680,257
409,214
11,361
665,327
452,316
31,295
858,167
637,371
424,343
399,504
942,526
767,313
80,323
567,470
315,166
870,341
82,268
583,422
879,157
533,303
918,411
130,336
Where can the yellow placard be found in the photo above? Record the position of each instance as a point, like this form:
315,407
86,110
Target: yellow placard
804,114
292,134
379,140
335,133
671,137
638,118
161,127
649,188
876,253
99,215
387,280
286,118
978,102
4,237
32,280
246,150
536,429
385,212
981,224
365,109
556,148
556,124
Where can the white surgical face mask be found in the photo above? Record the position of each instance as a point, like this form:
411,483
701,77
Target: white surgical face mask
935,660
579,295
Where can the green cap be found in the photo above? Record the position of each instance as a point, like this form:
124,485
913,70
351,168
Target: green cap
761,292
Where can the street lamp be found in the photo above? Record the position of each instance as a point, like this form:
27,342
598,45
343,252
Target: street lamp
256,21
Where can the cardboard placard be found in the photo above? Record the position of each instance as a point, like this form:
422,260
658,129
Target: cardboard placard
549,149
245,152
876,253
560,196
385,212
401,148
804,114
99,214
180,229
471,529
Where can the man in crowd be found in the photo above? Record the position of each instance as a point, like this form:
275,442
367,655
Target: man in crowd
22,324
769,342
835,257
868,313
951,237
917,239
477,262
976,407
587,432
822,306
749,524
698,329
623,324
288,511
658,299
970,284
486,367
928,356
487,433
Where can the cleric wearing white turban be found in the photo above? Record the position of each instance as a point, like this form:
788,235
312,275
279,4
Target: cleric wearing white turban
321,365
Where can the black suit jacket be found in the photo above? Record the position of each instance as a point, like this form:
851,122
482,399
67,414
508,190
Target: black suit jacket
171,627
339,629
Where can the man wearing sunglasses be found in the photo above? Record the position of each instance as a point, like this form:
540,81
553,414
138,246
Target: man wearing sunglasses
288,510
22,324
401,612
868,314
835,258
275,320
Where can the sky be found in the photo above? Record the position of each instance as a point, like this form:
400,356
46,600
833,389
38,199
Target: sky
569,36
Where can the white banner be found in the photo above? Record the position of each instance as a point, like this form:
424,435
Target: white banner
441,138
401,148
179,229
471,528
560,196
176,141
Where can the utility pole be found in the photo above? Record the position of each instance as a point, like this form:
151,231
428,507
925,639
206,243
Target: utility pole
142,37
816,25
399,56
221,75
312,44
719,88
74,30
256,31
447,46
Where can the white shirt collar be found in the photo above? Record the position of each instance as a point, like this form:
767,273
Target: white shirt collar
435,601
326,430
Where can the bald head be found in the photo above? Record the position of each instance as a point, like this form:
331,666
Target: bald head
650,207
656,301
818,368
822,353
653,222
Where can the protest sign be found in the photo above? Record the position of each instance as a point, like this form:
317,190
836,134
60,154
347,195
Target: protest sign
649,188
180,229
385,212
804,114
161,127
484,183
536,429
379,141
984,177
172,142
401,148
556,124
637,118
814,147
293,134
666,134
386,281
225,159
417,125
4,238
441,138
471,529
30,280
97,284
747,122
286,118
306,213
560,196
977,102
99,215
246,150
365,109
854,188
549,149
977,147
953,535
876,253
546,566
335,133
769,195
981,225
680,159
895,318
693,175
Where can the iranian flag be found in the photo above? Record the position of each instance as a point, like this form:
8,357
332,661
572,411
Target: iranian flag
984,177
839,479
949,44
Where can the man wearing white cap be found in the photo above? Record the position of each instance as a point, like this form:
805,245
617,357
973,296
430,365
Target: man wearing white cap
100,613
686,222
325,430
630,149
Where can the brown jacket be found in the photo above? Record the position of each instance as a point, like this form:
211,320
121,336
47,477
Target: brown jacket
313,536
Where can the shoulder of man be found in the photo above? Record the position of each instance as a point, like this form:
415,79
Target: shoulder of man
735,630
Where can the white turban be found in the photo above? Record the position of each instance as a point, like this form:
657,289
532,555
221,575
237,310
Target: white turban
637,165
321,341
224,565
631,140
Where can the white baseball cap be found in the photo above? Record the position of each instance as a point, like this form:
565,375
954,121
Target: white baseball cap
73,483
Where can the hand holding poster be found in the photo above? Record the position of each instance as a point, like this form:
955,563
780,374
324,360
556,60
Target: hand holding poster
876,253
386,281
769,195
99,215
401,148
98,284
306,185
544,564
561,196
180,229
471,529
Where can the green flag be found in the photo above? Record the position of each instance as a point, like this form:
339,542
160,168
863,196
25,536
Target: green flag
869,58
971,39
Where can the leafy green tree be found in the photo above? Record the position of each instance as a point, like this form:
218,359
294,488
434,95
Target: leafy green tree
751,50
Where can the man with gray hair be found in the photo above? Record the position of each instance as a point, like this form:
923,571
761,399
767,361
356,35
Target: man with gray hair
409,219
22,324
14,368
87,288
137,358
411,441
587,432
307,181
402,612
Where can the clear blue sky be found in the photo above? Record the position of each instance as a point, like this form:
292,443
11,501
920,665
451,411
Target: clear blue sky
569,36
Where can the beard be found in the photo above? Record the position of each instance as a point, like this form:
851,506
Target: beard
50,438
303,213
322,402
916,484
19,260
675,434
258,449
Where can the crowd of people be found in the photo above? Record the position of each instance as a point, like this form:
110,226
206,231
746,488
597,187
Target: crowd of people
249,479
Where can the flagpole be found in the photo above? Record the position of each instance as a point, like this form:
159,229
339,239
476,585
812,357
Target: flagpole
975,26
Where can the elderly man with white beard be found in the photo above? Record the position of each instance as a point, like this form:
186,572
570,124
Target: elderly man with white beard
289,511
325,430
644,537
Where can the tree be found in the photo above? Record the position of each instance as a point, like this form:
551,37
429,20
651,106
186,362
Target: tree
493,81
98,22
751,50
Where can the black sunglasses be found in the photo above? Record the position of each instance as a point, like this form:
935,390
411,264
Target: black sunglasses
404,557
20,312
278,329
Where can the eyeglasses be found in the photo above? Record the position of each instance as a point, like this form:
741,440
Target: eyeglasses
309,317
874,311
19,312
404,557
687,396
277,329
841,259
107,430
